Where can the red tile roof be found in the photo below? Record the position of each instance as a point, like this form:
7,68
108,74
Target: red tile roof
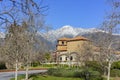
78,38
63,39
72,39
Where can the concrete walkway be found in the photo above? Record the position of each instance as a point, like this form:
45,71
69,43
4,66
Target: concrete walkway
8,75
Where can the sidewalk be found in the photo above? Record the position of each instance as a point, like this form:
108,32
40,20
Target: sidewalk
13,70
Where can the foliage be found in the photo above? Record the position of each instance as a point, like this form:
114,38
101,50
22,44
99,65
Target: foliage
38,66
61,72
116,65
2,65
77,73
88,74
47,56
45,77
55,72
115,69
35,64
95,66
115,73
49,65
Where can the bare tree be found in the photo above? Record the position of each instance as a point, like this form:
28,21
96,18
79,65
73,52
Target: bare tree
15,45
85,53
110,27
15,13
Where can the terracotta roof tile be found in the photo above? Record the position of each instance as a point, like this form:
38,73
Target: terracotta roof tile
64,38
72,39
78,38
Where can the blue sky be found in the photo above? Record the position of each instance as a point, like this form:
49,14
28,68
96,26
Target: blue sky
77,13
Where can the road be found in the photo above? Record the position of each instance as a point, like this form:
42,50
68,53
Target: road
8,75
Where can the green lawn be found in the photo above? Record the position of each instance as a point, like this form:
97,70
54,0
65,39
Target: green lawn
48,78
45,66
112,78
53,78
19,77
45,77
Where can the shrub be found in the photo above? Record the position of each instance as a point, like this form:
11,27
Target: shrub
116,65
51,71
68,73
94,65
88,74
2,66
48,65
35,64
61,72
55,72
80,73
58,72
115,73
95,75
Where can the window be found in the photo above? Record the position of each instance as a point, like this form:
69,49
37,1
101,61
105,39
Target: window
71,58
62,42
66,58
60,58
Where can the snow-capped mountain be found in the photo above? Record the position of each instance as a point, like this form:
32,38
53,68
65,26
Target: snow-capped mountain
2,35
67,31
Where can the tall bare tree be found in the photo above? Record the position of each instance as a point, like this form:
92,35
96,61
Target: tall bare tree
110,27
16,45
14,13
85,53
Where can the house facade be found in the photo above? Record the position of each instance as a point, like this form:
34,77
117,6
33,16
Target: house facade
68,49
74,50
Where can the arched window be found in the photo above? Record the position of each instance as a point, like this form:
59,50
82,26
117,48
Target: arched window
66,58
62,42
71,58
60,58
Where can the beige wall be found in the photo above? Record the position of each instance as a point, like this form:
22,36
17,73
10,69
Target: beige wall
75,46
60,48
71,46
60,42
63,58
65,55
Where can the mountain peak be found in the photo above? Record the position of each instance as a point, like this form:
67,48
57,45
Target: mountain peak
67,26
68,31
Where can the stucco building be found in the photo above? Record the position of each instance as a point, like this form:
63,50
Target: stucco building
68,49
74,50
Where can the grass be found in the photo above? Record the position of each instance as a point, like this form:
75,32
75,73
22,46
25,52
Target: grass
44,66
112,78
53,78
38,77
39,67
19,77
46,77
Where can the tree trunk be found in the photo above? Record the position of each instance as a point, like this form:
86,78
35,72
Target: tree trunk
109,66
26,77
69,61
16,69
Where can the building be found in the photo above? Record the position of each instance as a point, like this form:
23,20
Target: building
73,50
68,49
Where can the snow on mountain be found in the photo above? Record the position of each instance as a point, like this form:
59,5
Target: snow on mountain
2,35
66,31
